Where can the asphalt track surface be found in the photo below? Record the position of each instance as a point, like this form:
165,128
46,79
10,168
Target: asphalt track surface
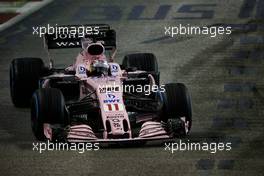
224,75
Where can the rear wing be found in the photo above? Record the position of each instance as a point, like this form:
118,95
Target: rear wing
69,36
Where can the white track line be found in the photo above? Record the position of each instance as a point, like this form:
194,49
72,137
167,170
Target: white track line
24,11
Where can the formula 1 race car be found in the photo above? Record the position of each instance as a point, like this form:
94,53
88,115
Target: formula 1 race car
108,103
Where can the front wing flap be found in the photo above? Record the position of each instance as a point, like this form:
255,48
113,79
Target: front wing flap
84,133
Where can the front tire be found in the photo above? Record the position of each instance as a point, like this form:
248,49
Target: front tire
47,106
177,103
143,61
24,77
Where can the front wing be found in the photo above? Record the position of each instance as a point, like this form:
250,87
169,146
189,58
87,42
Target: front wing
84,133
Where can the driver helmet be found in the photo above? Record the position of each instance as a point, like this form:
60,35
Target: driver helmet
100,67
94,55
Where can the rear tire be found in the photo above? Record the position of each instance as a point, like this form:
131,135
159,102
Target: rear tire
24,77
47,106
177,103
143,61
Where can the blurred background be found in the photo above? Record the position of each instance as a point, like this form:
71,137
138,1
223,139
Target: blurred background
224,76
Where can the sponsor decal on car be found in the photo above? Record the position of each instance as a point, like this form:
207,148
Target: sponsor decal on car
114,68
116,124
113,107
111,98
80,116
81,71
115,116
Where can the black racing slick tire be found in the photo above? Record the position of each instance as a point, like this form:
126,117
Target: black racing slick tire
24,79
177,103
143,61
47,106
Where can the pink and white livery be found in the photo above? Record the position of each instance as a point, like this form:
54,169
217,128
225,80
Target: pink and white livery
96,99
